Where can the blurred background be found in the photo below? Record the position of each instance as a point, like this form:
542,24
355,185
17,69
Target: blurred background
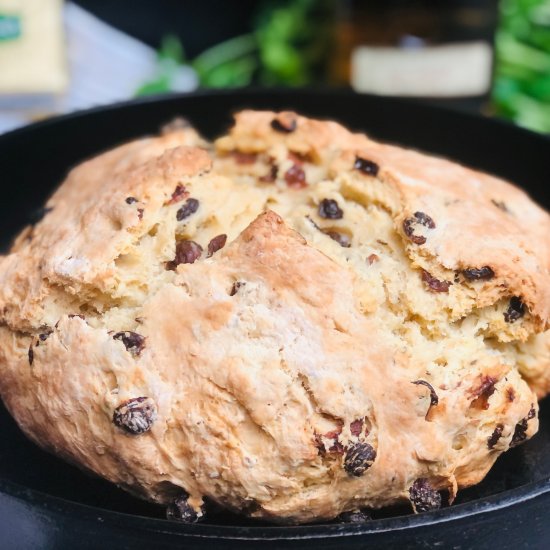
485,56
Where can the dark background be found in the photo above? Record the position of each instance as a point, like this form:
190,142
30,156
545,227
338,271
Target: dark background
199,24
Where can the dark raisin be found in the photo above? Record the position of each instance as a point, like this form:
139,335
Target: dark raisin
285,123
520,431
424,220
140,213
515,311
329,209
510,394
295,177
135,416
318,442
333,434
235,287
476,274
217,243
341,238
359,458
181,510
372,258
190,207
487,386
500,204
336,448
366,166
356,427
178,194
482,393
423,496
179,123
44,335
38,215
132,341
187,252
408,228
31,354
131,200
356,516
244,158
495,436
271,176
434,399
409,225
435,285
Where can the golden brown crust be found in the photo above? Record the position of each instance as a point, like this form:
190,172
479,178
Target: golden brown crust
289,375
480,220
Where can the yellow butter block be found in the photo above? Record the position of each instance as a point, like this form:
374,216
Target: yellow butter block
32,47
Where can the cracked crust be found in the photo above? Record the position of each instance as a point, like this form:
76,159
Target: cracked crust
288,376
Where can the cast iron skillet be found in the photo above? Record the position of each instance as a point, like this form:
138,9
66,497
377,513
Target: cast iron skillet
45,503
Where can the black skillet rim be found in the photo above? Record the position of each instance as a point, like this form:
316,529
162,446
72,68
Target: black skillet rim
57,505
320,91
53,505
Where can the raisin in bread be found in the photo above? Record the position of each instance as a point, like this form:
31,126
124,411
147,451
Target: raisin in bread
295,322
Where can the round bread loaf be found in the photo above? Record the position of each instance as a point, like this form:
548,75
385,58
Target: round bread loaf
294,322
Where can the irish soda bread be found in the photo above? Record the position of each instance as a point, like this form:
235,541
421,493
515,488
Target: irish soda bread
294,322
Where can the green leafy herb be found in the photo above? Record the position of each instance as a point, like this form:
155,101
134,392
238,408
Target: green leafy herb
286,47
522,78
